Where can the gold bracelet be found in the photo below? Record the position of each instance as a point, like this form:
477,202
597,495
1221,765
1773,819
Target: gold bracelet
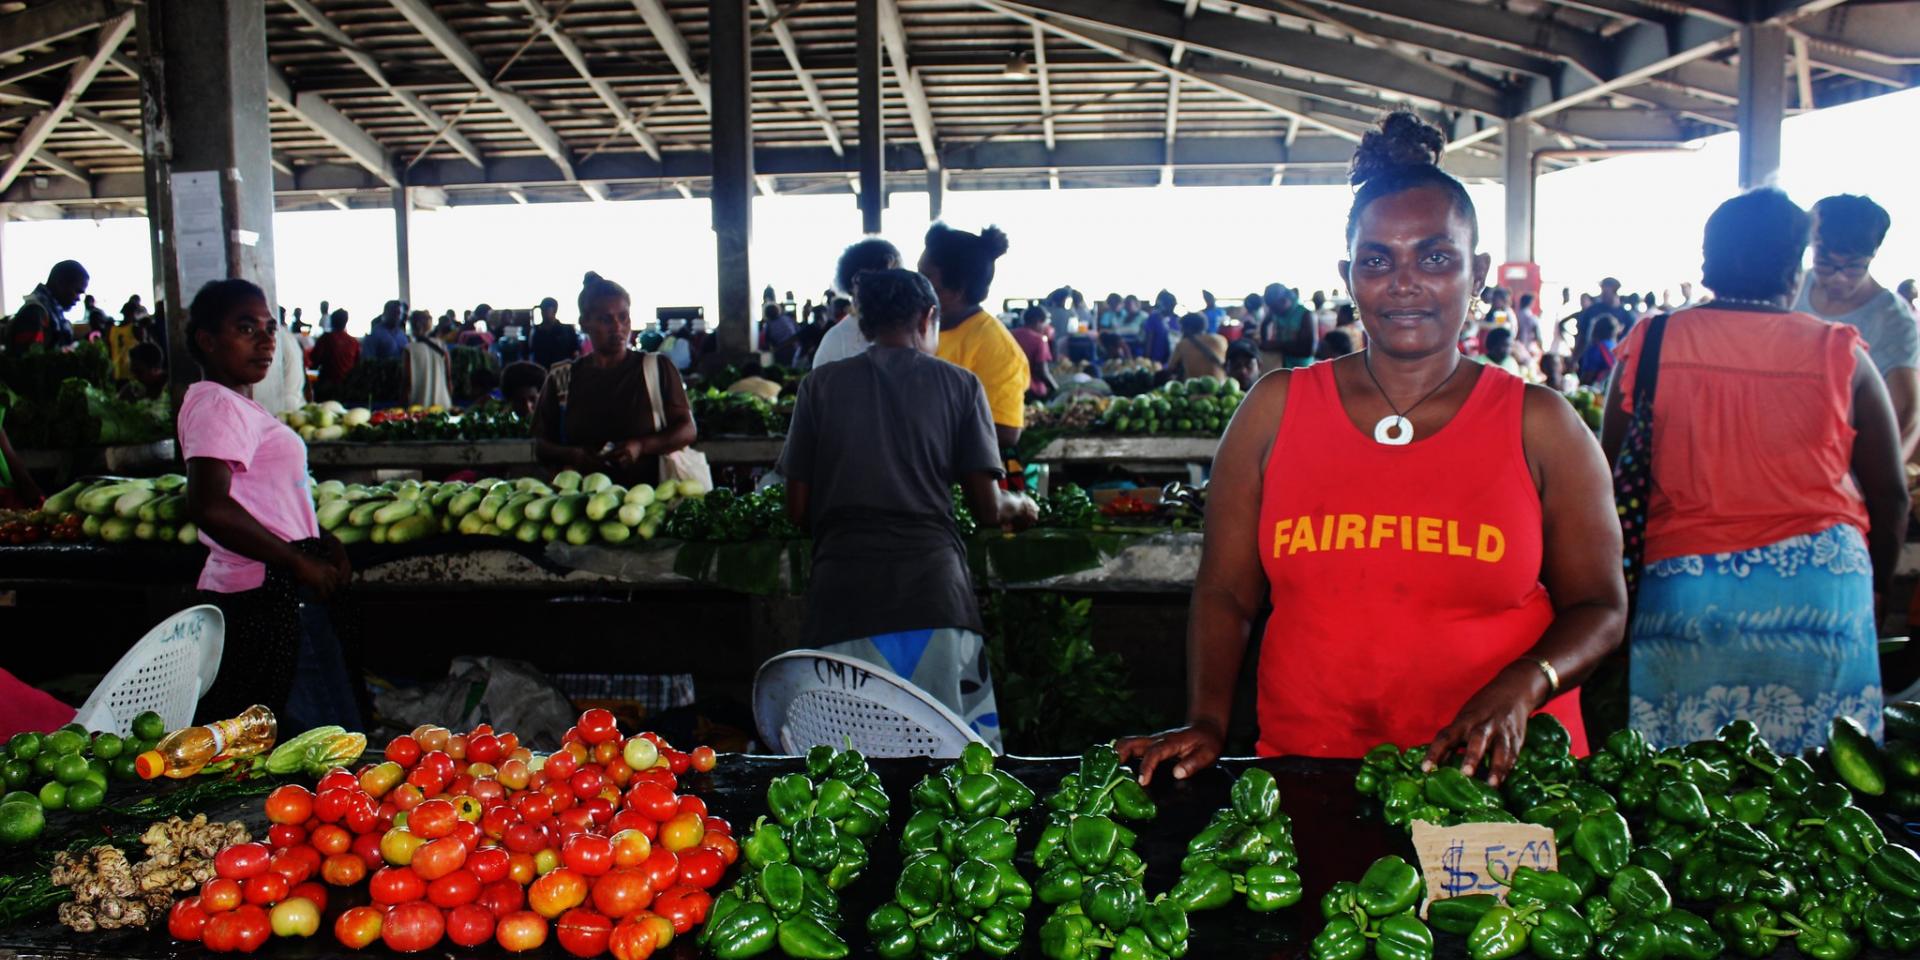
1553,676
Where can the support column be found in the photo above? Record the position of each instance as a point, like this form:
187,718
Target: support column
729,63
873,138
1519,168
402,242
1763,102
209,163
3,258
936,192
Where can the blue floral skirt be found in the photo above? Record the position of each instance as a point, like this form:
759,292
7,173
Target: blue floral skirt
949,664
1782,635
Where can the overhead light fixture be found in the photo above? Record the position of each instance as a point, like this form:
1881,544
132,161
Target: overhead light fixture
1018,67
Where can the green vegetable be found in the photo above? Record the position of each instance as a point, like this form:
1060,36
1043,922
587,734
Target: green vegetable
1403,937
1459,915
1604,841
1637,892
1855,757
748,931
1560,933
1342,939
1528,886
1501,933
1272,888
1391,885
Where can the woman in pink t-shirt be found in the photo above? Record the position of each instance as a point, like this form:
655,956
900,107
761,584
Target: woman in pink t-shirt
269,568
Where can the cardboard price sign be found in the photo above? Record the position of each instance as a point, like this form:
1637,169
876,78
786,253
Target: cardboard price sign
1475,858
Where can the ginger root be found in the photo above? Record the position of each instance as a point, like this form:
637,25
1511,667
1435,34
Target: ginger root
110,893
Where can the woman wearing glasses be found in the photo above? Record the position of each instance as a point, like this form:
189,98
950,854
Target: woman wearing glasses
1847,231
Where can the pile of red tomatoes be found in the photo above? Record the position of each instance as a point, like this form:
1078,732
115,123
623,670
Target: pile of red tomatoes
469,838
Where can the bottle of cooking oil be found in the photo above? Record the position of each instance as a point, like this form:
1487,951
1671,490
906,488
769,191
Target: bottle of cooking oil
187,751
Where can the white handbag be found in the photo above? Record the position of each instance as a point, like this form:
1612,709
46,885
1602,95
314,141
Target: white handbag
685,467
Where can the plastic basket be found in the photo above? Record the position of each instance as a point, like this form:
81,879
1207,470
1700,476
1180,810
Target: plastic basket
807,697
166,672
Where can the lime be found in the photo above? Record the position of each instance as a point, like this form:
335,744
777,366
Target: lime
43,764
97,765
20,823
96,777
108,745
53,796
85,795
70,768
121,767
140,746
25,746
16,773
20,796
76,727
63,741
149,726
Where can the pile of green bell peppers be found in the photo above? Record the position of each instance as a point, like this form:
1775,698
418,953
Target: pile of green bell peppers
1091,876
1104,786
1246,851
1377,915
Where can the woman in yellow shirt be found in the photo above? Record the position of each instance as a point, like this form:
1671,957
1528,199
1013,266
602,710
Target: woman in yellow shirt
960,267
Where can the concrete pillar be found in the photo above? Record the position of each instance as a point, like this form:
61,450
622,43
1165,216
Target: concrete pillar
402,243
936,192
209,160
3,258
873,140
729,65
1763,102
1519,161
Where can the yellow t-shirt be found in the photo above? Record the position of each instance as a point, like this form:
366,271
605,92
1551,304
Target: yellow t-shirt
983,345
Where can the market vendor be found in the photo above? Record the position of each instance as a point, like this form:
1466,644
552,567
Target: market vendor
960,267
877,443
597,413
269,569
1438,539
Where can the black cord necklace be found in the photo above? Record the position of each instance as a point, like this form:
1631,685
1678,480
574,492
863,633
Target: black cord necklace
1397,430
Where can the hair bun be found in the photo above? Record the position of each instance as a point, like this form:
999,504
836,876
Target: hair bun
1403,140
994,241
590,279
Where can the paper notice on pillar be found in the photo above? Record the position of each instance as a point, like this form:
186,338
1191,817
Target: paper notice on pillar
199,229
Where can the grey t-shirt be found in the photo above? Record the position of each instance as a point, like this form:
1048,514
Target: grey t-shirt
880,439
1884,322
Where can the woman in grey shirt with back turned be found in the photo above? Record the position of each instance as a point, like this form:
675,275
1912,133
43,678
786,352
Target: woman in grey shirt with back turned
878,441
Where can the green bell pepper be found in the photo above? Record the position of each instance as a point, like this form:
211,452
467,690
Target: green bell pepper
833,799
976,757
1826,799
1255,796
1015,891
922,886
933,793
1689,936
1855,757
975,886
1606,769
1014,795
1604,841
790,798
1824,935
1739,841
1391,885
1070,936
1207,888
1591,799
1852,832
849,860
766,845
1501,933
1751,929
1340,900
998,931
976,795
1896,870
1112,902
1449,788
1629,745
1793,777
1637,789
1653,858
1892,923
1341,939
1098,766
1583,876
1601,914
892,932
1562,815
849,765
784,888
1560,933
945,933
990,838
1752,806
1633,940
1681,801
1272,888
806,938
1131,801
1776,890
1638,893
1459,915
1061,883
1092,840
1402,937
1166,925
1529,886
815,843
819,760
747,932
921,833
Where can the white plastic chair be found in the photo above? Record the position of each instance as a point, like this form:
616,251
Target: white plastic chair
807,697
166,672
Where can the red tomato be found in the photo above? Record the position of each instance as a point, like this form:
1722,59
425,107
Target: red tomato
682,831
441,763
533,806
186,920
220,895
588,854
704,759
468,833
677,762
521,931
525,838
312,891
631,848
358,927
598,726
457,747
426,779
560,766
242,860
363,814
522,868
329,840
631,941
484,748
725,846
583,932
701,867
618,773
659,926
283,835
439,858
509,742
621,892
654,800
454,889
392,885
331,804
337,777
403,750
367,848
432,819
265,890
661,868
412,927
469,925
716,825
496,820
685,907
574,820
557,892
659,775
692,804
631,819
489,863
242,930
603,752
502,897
291,803
586,782
294,865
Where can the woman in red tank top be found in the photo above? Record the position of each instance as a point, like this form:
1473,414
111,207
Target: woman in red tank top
1437,538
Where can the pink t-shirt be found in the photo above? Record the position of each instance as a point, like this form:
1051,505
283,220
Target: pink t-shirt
269,464
1033,343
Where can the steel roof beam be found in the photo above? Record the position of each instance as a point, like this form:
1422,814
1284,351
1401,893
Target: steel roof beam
332,32
41,127
893,33
1046,85
333,126
667,34
1384,31
783,35
107,128
1173,125
522,114
1489,24
1330,92
45,63
600,88
1242,39
52,22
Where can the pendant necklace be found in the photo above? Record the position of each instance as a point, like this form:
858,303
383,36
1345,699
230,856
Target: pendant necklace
1397,430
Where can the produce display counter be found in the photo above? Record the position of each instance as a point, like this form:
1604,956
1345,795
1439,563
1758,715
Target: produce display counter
67,463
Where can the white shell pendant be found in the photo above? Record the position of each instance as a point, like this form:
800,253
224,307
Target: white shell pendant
1394,431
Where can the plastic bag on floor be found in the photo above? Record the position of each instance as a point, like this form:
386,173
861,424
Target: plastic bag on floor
510,694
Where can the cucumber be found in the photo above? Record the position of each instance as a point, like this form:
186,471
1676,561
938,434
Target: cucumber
145,530
1855,758
516,509
549,532
642,494
62,502
464,502
567,481
540,508
149,512
362,514
169,482
173,509
116,529
379,533
1903,760
188,534
90,526
526,532
329,490
580,532
490,505
166,533
595,482
1903,720
615,532
351,534
567,509
332,513
632,514
416,527
470,524
667,490
398,510
601,505
128,504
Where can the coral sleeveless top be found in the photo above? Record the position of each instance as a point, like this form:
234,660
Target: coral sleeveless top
1403,578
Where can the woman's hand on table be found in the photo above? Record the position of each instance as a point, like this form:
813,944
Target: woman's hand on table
321,576
1492,726
626,453
1192,749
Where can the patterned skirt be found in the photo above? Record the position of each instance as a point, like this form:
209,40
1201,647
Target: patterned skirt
948,664
1782,635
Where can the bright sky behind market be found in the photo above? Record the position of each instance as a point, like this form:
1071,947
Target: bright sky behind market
1637,218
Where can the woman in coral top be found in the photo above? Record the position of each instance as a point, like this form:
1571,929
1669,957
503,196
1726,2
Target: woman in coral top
1436,537
1778,500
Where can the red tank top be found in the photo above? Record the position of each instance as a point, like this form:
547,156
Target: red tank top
1403,578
